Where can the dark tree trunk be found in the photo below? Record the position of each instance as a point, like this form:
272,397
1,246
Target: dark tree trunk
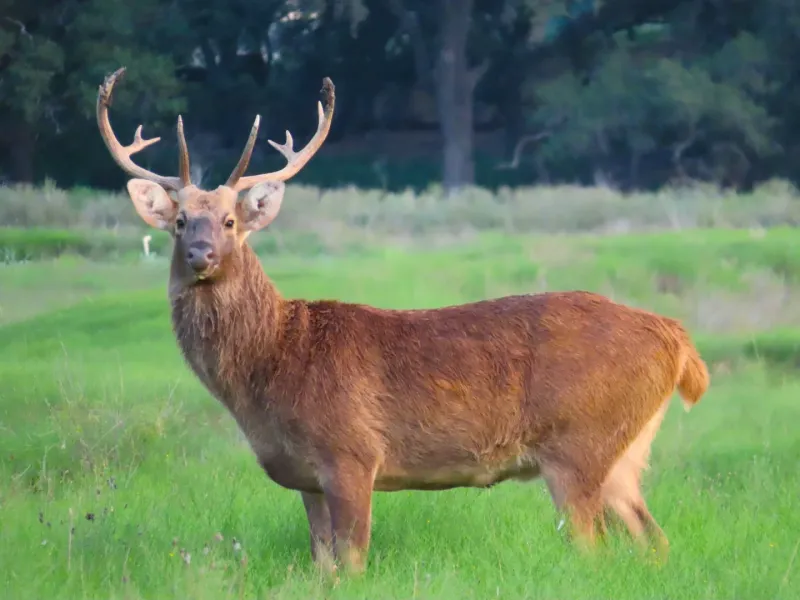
452,81
21,145
454,87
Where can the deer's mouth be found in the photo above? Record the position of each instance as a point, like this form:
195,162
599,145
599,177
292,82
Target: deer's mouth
207,274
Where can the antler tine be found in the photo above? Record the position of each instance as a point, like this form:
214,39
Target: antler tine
286,149
296,160
122,154
247,153
183,156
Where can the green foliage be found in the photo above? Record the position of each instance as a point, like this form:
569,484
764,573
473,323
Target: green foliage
26,85
655,99
108,34
639,93
52,65
39,244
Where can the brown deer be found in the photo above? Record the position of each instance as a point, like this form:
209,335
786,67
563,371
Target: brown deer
339,400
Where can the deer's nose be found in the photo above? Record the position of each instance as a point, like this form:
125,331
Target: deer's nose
200,256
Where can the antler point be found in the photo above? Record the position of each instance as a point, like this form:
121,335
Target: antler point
328,91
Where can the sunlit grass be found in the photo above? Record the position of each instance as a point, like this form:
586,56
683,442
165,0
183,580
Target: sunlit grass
121,478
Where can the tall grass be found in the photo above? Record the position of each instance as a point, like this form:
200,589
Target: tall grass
556,209
43,222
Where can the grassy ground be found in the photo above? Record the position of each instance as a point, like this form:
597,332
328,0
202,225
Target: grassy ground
121,478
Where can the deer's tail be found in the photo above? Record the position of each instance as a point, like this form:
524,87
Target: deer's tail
693,378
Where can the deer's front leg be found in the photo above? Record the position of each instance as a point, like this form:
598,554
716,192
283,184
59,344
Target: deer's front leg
320,532
348,491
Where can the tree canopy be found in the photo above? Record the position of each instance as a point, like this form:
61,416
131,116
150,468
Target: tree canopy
497,92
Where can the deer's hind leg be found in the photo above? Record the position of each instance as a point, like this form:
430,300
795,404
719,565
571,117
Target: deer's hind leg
588,480
576,492
621,491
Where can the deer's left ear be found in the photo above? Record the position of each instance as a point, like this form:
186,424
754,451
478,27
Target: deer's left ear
260,205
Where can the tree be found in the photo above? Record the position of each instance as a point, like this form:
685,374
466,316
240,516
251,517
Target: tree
437,33
463,51
53,55
638,92
656,93
456,80
29,62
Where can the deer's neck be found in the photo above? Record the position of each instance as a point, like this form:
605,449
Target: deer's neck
228,330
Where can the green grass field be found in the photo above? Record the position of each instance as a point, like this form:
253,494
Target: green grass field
121,478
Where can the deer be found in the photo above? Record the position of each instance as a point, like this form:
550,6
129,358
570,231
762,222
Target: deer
340,400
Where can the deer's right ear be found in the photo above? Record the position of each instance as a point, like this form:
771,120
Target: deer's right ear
261,205
152,203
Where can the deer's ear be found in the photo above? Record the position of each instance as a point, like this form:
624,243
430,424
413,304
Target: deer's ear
261,205
152,203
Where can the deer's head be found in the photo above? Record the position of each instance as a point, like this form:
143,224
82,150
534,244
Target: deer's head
208,227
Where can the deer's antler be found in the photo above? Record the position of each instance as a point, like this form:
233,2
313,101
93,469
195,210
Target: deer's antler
122,154
296,160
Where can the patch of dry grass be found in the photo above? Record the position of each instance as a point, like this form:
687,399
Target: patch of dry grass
351,215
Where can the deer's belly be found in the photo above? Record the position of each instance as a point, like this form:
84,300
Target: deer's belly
290,473
445,478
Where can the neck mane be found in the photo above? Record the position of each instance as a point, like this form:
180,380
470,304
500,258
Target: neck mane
221,326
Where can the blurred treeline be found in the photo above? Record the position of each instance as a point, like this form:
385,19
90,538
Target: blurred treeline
635,93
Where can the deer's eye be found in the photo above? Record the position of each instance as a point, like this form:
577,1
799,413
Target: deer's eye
180,223
229,223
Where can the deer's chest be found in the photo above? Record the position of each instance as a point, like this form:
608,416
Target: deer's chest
279,448
280,451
